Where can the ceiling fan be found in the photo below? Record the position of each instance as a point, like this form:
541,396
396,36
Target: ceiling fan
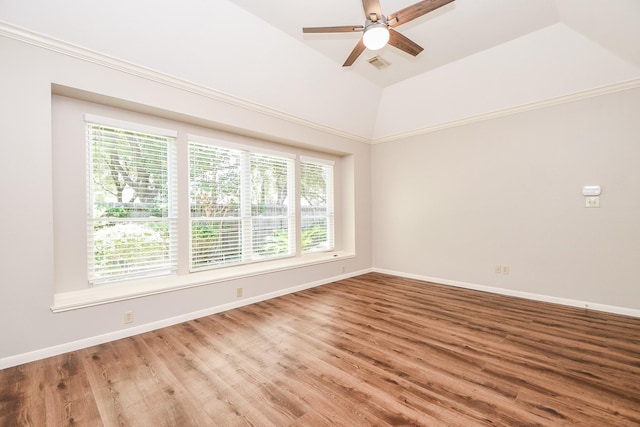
379,30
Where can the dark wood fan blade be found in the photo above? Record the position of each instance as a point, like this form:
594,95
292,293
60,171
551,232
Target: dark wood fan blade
403,43
357,51
372,6
343,29
415,11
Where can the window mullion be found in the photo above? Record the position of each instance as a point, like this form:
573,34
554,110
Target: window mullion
245,206
183,208
297,217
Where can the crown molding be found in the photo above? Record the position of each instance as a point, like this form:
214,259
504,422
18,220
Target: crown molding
78,52
590,93
74,51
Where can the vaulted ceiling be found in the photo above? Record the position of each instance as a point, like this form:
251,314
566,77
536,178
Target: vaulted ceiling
454,31
480,56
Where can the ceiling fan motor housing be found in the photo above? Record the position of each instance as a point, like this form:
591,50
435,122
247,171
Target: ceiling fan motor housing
376,34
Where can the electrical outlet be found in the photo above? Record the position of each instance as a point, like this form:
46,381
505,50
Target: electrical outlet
239,292
498,269
343,269
505,269
128,317
592,202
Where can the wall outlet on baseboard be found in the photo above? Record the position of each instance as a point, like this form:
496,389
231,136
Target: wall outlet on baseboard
239,292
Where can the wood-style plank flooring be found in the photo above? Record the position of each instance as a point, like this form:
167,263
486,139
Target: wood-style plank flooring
370,350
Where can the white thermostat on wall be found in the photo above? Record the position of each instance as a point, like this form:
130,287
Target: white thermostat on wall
591,190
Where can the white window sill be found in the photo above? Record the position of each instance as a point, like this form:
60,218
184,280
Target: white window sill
104,294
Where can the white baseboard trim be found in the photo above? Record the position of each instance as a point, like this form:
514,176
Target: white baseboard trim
527,295
56,350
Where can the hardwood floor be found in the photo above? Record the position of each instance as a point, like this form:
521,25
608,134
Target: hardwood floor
371,350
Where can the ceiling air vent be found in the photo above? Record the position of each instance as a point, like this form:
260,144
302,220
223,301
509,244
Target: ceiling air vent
378,62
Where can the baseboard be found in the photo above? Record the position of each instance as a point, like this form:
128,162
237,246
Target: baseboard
124,333
527,295
56,350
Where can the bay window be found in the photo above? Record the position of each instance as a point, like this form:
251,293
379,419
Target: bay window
245,203
145,204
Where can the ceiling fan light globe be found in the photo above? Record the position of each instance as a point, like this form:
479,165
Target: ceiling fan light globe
375,36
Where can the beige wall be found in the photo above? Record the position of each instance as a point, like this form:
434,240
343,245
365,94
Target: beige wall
30,329
450,205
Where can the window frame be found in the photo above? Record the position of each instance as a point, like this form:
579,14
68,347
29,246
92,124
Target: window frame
70,288
330,204
246,218
171,265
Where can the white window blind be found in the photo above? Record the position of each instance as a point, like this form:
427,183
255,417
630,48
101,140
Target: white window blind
132,203
240,206
272,213
316,204
214,187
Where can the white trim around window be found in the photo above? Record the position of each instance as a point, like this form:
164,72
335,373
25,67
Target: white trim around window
70,159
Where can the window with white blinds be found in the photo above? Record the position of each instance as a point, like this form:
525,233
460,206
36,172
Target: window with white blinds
132,213
145,203
316,205
240,205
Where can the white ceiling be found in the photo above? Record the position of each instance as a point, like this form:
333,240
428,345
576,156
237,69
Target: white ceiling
452,32
480,56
